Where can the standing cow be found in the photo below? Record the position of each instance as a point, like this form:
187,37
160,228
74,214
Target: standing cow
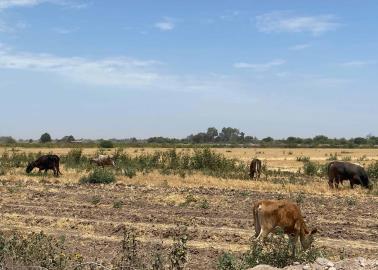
103,160
341,170
255,168
45,162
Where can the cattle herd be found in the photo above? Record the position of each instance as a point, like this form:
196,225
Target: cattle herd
268,214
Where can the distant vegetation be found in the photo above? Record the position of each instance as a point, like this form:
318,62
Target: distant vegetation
227,137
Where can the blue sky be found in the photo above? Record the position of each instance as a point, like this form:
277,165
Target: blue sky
105,69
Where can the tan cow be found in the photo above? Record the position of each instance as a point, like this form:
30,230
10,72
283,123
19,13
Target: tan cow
269,214
103,160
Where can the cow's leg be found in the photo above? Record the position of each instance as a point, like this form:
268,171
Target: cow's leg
330,182
293,240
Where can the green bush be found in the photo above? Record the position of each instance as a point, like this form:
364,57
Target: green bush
276,251
310,168
303,158
372,170
35,250
98,176
106,144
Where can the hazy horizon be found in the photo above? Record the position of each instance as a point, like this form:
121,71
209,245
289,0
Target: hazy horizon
141,69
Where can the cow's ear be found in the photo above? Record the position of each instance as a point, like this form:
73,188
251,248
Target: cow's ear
314,231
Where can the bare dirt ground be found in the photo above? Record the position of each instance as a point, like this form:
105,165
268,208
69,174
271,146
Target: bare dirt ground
217,213
346,227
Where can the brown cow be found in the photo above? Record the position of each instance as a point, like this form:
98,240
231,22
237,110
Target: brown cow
255,168
45,162
269,214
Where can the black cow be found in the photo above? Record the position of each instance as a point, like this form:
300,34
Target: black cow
340,170
255,168
45,162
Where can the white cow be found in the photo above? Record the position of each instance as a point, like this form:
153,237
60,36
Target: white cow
103,160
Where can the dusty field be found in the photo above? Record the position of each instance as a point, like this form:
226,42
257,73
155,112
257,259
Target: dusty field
218,214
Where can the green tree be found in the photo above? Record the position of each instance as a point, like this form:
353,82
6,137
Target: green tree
45,137
212,133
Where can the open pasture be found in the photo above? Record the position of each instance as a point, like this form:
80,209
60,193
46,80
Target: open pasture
216,211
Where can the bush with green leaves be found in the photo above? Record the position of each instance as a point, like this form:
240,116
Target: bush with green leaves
35,250
99,176
106,144
275,251
372,171
310,168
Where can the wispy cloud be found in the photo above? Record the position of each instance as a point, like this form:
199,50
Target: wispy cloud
357,64
166,24
261,66
276,22
110,71
126,73
299,47
4,4
229,15
64,31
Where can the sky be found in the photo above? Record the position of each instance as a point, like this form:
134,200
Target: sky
121,68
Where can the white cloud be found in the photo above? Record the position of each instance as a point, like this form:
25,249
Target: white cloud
357,64
64,31
299,47
122,72
276,22
4,4
260,66
112,71
166,24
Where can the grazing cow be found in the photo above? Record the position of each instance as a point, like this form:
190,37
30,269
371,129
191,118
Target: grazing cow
255,168
341,170
269,214
103,161
45,162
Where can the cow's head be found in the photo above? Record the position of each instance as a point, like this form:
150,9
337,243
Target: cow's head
365,182
30,167
307,238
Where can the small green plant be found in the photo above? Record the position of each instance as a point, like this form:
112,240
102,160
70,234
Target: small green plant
310,168
129,172
227,261
204,204
178,252
303,158
332,157
299,198
95,199
98,176
346,158
118,204
351,201
188,200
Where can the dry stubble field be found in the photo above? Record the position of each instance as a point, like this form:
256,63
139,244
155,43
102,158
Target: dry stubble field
218,215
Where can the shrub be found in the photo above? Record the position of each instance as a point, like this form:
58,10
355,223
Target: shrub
303,158
372,170
98,176
130,172
35,250
106,144
276,251
310,168
227,261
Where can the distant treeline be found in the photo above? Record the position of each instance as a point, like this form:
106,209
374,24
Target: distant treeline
227,137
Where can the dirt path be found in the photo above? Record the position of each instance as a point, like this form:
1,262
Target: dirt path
217,219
